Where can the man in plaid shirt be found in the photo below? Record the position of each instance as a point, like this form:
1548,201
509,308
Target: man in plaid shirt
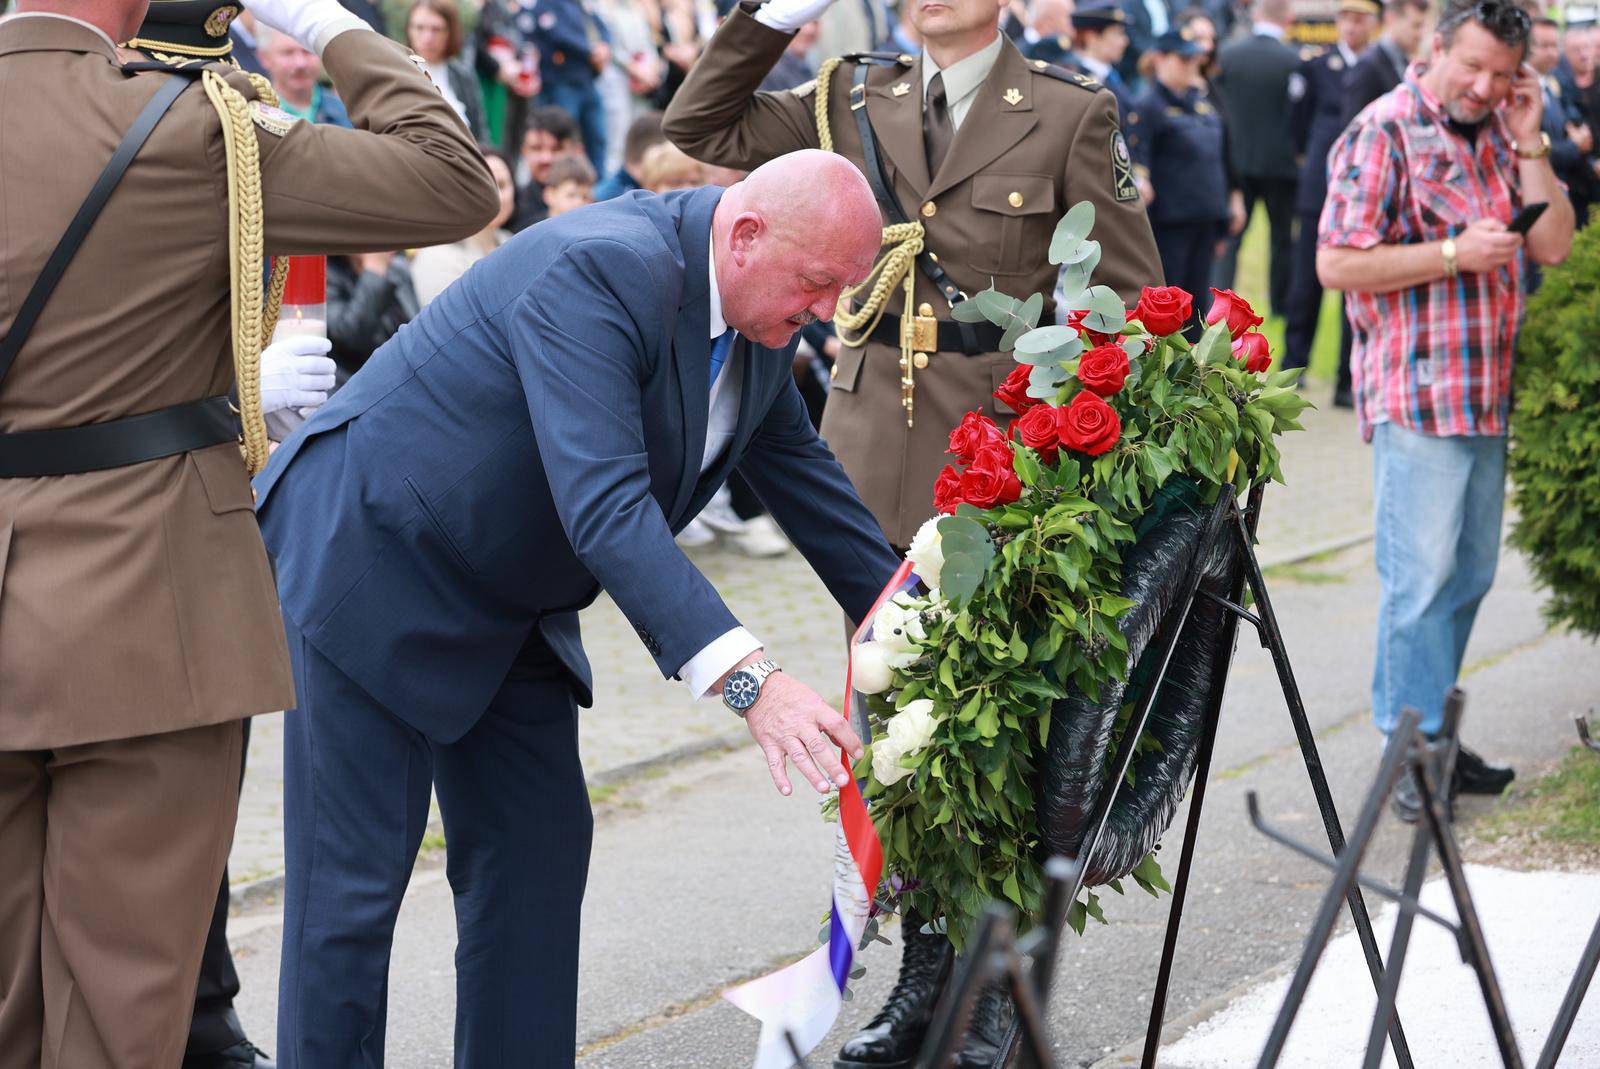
1421,187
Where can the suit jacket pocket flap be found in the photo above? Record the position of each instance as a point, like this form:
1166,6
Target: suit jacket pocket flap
1013,194
222,473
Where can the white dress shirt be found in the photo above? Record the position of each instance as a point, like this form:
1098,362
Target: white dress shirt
702,671
962,78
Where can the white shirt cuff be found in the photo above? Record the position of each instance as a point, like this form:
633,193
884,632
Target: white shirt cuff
702,671
326,34
776,22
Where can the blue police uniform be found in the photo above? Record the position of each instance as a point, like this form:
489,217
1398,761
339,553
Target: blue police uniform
1316,119
1099,15
1183,137
565,31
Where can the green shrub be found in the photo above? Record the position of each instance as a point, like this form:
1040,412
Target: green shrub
1555,443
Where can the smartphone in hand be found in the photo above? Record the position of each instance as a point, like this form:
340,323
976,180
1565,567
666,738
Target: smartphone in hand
1527,217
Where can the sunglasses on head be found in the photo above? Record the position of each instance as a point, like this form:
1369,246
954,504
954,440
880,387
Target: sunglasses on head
1495,15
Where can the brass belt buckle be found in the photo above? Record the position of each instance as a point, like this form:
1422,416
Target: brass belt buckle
925,330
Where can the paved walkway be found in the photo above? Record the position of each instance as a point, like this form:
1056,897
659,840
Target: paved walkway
639,717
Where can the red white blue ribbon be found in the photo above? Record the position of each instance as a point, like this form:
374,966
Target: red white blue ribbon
804,999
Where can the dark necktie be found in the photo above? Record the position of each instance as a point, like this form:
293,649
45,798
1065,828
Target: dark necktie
719,354
937,133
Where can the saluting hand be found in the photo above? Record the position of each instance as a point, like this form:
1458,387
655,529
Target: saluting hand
787,16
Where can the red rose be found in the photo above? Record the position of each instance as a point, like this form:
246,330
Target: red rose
947,490
1088,424
1014,391
1228,306
990,479
1104,369
1075,321
975,432
1164,309
1037,430
1252,351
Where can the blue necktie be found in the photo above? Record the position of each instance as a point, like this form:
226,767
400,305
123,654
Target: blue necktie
719,354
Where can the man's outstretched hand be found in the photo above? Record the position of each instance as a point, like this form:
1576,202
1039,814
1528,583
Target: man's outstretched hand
791,723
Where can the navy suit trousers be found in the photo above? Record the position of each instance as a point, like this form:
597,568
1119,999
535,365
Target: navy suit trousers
517,828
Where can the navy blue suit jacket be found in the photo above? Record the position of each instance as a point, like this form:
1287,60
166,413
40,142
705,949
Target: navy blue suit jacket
533,436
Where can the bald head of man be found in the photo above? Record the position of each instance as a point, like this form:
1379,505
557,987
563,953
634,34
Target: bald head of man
788,239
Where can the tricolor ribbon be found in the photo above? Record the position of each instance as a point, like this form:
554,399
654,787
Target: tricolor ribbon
803,999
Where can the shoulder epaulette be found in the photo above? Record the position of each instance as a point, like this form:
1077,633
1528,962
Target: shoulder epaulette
881,59
1064,74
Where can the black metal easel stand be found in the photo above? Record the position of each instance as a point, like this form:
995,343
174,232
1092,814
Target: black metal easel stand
996,954
1227,520
1431,765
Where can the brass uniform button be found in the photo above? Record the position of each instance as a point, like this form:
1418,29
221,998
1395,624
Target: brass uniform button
925,309
920,360
1015,200
929,210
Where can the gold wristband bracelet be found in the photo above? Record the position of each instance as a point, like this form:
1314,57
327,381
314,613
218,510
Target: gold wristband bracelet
1448,249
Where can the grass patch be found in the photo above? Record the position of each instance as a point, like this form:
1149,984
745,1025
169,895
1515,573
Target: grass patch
1299,573
604,793
1560,809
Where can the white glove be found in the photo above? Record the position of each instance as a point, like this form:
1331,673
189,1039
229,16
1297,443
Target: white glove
304,20
787,16
295,373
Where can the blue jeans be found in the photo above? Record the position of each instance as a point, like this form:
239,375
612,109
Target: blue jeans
581,100
1439,501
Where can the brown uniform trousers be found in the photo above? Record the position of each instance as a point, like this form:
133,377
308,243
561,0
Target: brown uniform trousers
138,618
1036,141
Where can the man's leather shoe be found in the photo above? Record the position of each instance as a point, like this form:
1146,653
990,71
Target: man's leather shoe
1406,802
242,1055
991,1019
892,1039
1474,775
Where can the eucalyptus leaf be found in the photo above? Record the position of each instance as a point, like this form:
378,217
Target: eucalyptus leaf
1106,312
1043,340
1072,229
1044,380
1084,250
1076,277
968,311
1023,319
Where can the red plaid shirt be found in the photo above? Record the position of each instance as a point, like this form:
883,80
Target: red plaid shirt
1435,358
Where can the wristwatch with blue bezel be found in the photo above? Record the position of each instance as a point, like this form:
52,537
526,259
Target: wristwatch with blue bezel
742,688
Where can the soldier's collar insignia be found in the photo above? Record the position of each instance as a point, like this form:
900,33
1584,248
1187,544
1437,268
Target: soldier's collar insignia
902,89
1012,96
216,24
805,89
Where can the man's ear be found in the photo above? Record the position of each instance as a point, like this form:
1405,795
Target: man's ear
746,231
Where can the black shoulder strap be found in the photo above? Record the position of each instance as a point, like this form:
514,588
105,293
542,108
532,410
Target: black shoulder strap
887,200
62,255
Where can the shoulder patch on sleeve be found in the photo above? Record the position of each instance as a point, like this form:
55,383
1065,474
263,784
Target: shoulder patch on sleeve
805,89
1123,186
274,121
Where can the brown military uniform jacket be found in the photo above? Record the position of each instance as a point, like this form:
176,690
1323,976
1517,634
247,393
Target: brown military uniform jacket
138,600
1036,141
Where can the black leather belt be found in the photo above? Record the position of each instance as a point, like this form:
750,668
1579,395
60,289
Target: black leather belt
117,443
985,337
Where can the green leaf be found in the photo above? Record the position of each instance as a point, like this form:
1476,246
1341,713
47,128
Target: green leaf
1215,345
969,310
1043,340
1106,312
1072,229
1023,319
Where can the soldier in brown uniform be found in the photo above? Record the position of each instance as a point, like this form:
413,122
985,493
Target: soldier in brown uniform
138,618
985,150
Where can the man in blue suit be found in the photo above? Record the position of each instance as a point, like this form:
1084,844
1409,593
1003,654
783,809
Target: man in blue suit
536,435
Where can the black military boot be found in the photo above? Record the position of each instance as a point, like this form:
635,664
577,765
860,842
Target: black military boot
991,1020
893,1038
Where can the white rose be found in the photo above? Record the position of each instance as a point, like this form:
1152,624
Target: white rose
926,553
911,729
898,629
886,762
869,669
